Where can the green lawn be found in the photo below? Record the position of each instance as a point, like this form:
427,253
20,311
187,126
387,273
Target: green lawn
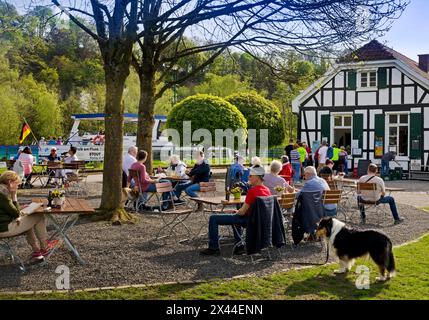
411,282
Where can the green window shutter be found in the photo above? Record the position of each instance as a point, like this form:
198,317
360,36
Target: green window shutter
358,128
382,78
326,126
416,136
351,77
379,135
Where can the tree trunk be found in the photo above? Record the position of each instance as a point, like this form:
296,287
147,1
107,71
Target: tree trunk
111,199
146,113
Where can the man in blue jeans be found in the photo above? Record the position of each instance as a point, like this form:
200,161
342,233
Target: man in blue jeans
239,217
199,173
385,160
379,196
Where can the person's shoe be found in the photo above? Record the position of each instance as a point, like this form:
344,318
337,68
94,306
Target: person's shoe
210,252
238,250
50,245
37,256
362,221
400,220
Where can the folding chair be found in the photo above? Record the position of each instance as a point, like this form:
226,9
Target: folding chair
332,184
242,241
208,189
73,181
141,200
334,197
52,169
379,208
6,247
178,216
326,176
82,173
287,203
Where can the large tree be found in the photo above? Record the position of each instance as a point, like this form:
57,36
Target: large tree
115,32
254,26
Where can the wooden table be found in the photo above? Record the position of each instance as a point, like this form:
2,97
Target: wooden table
71,209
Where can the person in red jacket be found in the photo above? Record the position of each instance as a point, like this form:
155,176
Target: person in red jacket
287,171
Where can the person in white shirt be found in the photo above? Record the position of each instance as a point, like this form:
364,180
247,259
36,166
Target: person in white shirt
378,196
323,150
72,157
26,158
128,160
176,167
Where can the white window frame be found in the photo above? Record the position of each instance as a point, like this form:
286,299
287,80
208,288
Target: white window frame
333,126
368,87
387,133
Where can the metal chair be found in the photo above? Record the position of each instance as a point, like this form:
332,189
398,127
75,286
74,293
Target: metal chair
334,197
287,203
379,208
6,247
73,181
171,218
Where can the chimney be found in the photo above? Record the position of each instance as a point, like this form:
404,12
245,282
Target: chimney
424,62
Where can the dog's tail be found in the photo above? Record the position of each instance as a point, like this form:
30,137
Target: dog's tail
390,259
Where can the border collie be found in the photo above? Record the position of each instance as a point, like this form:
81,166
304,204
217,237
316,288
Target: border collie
349,244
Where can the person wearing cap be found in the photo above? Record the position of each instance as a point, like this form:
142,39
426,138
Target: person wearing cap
53,156
239,217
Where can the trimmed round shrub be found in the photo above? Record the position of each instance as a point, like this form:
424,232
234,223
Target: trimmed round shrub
260,113
207,112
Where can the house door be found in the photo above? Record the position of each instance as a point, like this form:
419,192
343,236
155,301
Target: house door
342,130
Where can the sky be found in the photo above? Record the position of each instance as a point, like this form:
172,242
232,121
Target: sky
409,34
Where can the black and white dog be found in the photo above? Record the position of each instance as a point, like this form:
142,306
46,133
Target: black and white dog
349,244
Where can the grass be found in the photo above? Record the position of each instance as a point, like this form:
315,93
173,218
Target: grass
319,283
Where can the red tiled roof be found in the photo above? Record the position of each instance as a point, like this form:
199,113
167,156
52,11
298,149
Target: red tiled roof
374,50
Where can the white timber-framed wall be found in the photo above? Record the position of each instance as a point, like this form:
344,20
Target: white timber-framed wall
399,90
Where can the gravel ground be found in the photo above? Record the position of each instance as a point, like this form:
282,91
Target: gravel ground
123,255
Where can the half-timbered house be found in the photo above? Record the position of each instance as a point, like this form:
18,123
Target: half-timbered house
373,100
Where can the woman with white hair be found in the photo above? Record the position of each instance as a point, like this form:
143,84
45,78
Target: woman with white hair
176,167
273,180
256,161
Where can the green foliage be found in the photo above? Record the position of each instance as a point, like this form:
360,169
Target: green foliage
260,113
207,112
221,86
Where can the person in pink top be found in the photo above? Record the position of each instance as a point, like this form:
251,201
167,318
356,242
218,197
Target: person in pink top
27,161
145,183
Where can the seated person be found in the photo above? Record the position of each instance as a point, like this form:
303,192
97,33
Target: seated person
53,156
313,183
27,161
127,161
380,194
145,182
12,223
256,161
199,173
240,217
286,170
238,175
272,179
327,169
176,168
67,172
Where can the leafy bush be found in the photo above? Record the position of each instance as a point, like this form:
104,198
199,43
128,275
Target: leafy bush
260,113
206,112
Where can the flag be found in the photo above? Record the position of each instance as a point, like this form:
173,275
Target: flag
24,132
